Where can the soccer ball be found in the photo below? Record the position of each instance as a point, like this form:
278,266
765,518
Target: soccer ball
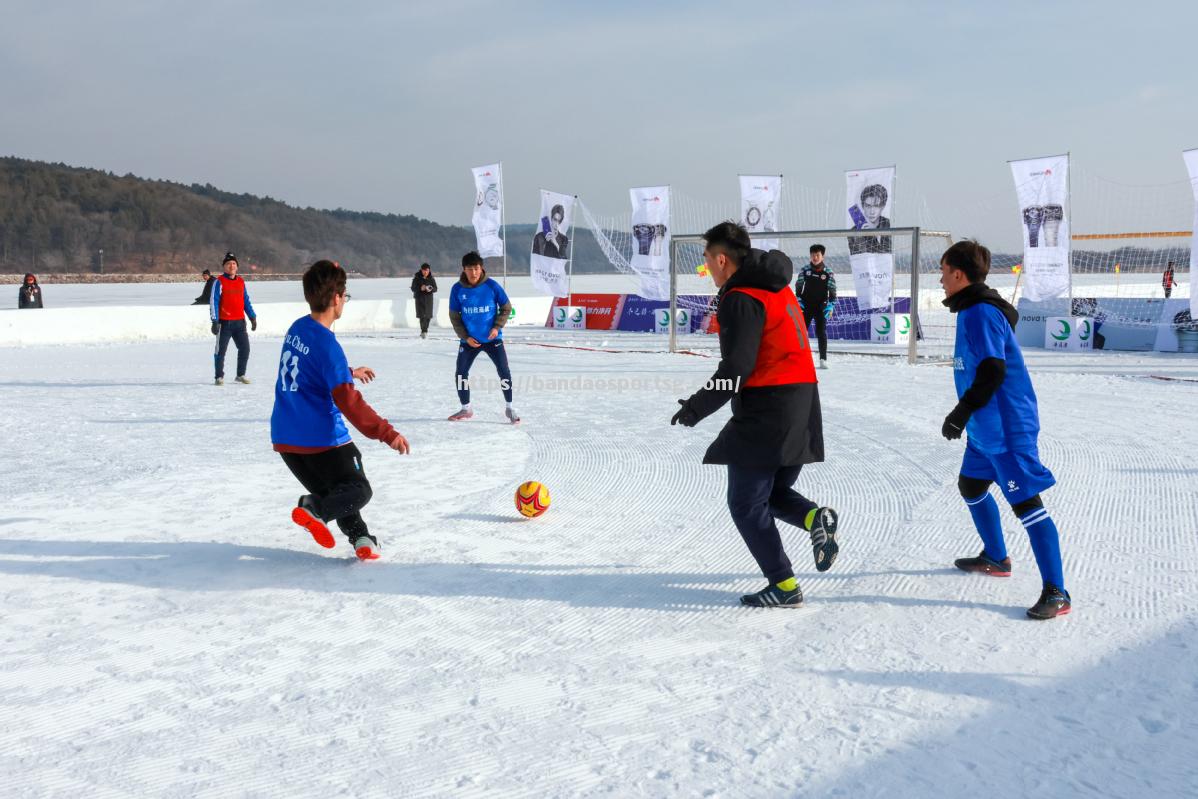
532,499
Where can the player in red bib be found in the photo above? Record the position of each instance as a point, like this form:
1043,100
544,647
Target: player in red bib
776,427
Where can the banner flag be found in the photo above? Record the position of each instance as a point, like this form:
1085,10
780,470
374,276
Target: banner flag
651,240
488,209
1042,185
759,203
551,245
869,197
1191,158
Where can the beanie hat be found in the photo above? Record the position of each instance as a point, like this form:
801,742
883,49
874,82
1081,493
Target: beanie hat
228,257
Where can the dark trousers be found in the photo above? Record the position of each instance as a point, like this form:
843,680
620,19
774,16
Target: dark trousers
1168,292
337,480
821,332
758,497
466,356
424,320
235,330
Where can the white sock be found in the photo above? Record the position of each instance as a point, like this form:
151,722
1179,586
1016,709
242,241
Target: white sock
466,407
509,407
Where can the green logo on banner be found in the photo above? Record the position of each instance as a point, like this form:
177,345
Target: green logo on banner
512,315
1083,332
1064,332
561,314
885,329
577,315
906,328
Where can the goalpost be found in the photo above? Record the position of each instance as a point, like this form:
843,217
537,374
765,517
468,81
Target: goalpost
916,258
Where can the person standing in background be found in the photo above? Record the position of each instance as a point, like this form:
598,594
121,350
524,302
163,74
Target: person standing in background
30,295
424,285
228,309
816,290
1168,281
205,295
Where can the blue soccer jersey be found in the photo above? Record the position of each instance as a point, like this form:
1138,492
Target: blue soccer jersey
478,306
311,365
1010,420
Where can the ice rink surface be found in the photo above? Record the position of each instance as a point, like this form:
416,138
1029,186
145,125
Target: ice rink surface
168,632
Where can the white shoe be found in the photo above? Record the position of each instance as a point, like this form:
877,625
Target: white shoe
511,415
823,363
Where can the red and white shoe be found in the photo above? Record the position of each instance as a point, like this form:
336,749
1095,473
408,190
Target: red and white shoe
366,548
511,415
304,514
462,415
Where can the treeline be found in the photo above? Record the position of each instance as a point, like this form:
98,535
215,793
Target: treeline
57,218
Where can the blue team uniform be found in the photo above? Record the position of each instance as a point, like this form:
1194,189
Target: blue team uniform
478,306
311,365
1002,434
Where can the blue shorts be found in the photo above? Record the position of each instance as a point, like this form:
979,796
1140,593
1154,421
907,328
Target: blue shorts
1019,475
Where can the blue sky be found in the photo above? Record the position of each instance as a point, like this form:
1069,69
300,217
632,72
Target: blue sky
377,106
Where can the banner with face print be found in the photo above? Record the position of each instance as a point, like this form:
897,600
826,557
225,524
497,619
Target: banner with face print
759,199
869,205
551,244
488,209
1191,158
1042,185
651,240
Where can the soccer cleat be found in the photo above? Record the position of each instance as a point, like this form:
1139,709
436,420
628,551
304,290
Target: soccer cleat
774,597
511,415
366,547
220,381
823,538
242,379
1053,602
984,565
462,415
304,514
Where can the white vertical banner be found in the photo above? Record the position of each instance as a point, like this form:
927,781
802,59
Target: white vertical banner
488,209
1191,158
759,201
651,240
1042,185
869,205
551,244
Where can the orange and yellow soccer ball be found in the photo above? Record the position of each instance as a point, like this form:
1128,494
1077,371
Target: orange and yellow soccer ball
532,499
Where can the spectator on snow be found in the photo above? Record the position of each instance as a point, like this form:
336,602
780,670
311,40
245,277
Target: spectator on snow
205,295
30,295
1168,281
228,309
424,285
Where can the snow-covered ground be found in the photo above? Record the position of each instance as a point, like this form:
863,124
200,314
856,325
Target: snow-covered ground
166,631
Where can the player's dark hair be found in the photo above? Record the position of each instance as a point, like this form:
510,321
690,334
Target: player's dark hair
970,257
875,190
323,280
732,239
818,248
425,266
472,258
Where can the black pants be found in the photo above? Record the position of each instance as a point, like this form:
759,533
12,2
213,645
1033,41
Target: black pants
498,356
424,320
337,480
1168,292
235,330
758,497
821,332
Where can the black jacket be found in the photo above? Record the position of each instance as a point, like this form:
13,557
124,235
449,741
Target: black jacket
771,426
424,299
30,295
206,295
815,288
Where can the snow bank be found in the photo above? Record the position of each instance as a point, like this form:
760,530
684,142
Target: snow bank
127,323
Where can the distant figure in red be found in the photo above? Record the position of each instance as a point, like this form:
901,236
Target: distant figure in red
1168,281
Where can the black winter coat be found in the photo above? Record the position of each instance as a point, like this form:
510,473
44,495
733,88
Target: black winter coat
424,299
771,426
30,296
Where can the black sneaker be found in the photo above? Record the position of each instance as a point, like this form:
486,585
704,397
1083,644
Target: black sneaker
984,565
774,597
1053,602
823,538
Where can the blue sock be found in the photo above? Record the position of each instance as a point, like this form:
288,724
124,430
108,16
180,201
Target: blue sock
1046,545
984,511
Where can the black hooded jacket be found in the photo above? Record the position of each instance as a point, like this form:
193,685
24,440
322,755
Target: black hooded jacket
30,295
424,299
771,426
992,371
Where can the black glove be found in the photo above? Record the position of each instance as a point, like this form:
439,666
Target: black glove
954,423
253,323
686,415
215,328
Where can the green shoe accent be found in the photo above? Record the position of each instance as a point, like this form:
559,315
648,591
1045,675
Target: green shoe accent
789,584
810,519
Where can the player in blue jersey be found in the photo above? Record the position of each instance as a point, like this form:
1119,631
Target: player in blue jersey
478,310
314,394
997,410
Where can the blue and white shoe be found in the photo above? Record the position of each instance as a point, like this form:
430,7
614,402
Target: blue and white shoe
774,597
